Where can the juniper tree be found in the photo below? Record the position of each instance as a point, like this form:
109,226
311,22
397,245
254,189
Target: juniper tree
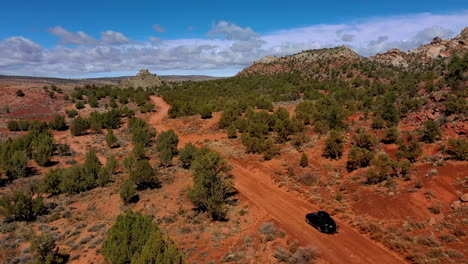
212,188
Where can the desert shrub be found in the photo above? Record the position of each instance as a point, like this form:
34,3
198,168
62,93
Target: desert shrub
334,145
378,122
111,139
141,131
410,150
429,241
448,238
123,99
452,253
454,105
304,160
24,125
300,139
143,175
187,155
146,108
382,167
79,126
144,242
365,140
228,117
58,123
358,158
71,113
431,131
80,105
19,93
232,131
165,157
390,135
309,178
93,102
128,192
74,179
22,205
13,162
167,140
45,250
206,111
13,126
111,164
139,151
281,254
51,181
305,255
104,176
458,148
212,188
43,146
321,127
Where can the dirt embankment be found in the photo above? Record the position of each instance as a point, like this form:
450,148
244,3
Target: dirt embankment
253,181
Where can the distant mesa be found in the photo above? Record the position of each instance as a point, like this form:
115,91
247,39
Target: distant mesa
143,79
306,60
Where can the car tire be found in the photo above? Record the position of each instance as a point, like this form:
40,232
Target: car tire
319,229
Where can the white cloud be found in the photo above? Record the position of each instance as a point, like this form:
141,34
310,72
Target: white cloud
112,37
229,48
231,31
67,37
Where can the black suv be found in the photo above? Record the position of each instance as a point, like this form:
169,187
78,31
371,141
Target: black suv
321,221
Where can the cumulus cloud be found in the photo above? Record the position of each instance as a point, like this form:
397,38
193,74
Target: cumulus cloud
228,49
231,31
112,37
16,51
67,37
158,28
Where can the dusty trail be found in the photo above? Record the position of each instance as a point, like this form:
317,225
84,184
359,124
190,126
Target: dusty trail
254,182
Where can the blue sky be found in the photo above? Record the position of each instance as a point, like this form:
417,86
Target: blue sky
109,38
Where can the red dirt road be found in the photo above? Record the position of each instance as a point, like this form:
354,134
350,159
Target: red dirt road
255,183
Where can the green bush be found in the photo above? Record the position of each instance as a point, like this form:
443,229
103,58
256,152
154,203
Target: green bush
143,175
22,205
80,105
232,131
358,158
187,154
167,140
13,126
365,140
458,148
410,150
206,111
111,139
128,192
390,135
431,131
144,242
139,151
79,126
58,123
212,188
71,113
334,145
46,251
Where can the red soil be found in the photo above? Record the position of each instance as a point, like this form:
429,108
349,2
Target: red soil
253,180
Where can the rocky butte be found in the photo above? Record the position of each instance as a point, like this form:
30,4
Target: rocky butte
143,79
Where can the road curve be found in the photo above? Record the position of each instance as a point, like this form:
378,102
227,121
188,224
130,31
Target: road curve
255,183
